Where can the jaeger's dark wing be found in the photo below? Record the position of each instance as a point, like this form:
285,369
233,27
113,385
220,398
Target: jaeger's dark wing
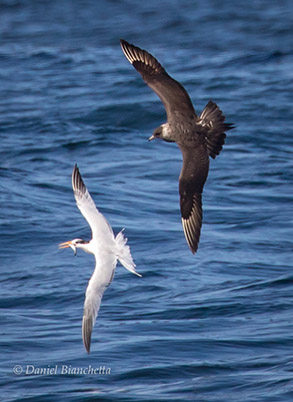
174,97
191,181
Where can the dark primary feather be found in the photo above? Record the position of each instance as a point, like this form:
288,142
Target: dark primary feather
77,182
174,97
191,207
87,328
192,178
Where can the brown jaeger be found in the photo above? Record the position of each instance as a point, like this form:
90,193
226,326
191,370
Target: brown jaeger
198,137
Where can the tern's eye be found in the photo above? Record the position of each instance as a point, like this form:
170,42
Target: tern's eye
79,241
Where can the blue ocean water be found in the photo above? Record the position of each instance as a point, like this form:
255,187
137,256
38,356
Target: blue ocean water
216,326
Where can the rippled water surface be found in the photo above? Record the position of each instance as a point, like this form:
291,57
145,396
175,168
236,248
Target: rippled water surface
216,326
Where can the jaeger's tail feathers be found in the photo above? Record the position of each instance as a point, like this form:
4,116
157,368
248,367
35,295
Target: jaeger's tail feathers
213,119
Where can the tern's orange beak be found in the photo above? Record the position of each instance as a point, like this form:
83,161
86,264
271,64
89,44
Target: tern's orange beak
68,244
65,245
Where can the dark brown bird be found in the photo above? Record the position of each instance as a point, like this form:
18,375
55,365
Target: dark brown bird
198,137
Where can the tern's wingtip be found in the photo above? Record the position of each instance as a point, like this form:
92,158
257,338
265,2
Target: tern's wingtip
75,169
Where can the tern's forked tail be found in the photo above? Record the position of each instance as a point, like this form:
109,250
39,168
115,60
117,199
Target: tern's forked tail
124,254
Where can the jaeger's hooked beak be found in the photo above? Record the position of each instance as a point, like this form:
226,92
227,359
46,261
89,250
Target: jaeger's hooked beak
152,137
68,244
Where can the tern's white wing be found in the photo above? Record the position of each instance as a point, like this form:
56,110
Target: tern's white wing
101,278
98,223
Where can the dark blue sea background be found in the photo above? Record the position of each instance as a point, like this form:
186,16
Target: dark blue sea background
215,326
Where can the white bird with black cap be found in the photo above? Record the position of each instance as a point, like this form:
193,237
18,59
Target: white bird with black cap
107,250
